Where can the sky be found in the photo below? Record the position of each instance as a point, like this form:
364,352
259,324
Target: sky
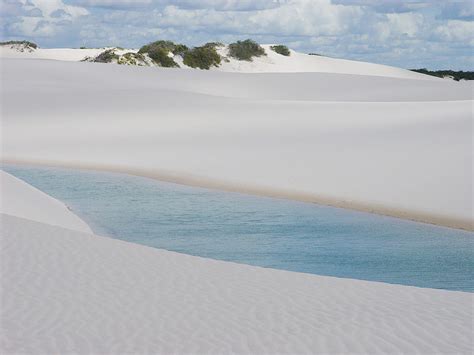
433,34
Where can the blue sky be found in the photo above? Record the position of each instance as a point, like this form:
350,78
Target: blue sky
436,34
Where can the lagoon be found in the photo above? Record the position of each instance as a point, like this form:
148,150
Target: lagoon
261,231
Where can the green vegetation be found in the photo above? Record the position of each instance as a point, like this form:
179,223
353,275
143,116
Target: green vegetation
245,50
319,55
107,56
167,45
24,43
281,49
214,44
160,56
202,57
180,49
131,58
159,52
456,75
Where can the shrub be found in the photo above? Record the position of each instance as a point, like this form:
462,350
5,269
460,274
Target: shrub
180,49
131,58
158,51
106,56
214,44
456,75
281,49
167,45
245,50
160,56
202,57
27,44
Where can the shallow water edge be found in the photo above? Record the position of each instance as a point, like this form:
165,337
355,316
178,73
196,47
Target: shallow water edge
203,182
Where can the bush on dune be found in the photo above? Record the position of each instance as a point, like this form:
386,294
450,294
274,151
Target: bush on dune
160,56
159,52
281,49
170,46
131,58
26,44
167,45
180,49
245,50
214,44
203,57
107,56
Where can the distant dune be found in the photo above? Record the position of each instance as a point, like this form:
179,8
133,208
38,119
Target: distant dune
272,62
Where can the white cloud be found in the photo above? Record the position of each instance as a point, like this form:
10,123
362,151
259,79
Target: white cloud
388,6
408,24
456,31
50,6
228,5
39,18
220,5
111,3
388,31
292,18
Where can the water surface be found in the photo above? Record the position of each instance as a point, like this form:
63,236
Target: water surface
261,231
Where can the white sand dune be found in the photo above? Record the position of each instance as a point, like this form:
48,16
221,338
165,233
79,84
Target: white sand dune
66,292
23,200
60,54
301,62
395,146
272,62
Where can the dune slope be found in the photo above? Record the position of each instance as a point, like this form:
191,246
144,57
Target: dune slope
301,62
23,200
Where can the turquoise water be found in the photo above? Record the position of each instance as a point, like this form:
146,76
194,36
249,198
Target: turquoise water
261,231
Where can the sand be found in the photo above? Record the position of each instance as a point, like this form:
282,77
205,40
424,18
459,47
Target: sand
272,62
23,200
69,292
301,62
60,54
394,146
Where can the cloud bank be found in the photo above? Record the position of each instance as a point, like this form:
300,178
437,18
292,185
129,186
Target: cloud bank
410,33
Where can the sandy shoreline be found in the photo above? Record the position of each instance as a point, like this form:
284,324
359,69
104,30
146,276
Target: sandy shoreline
190,180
